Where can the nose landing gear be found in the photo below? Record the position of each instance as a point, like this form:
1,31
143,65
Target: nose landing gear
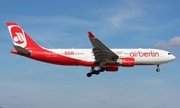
158,69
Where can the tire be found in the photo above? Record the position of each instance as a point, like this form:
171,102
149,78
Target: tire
97,72
157,70
89,74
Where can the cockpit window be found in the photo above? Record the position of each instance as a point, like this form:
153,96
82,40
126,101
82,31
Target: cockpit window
169,53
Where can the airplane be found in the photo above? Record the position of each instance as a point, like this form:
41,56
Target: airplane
100,58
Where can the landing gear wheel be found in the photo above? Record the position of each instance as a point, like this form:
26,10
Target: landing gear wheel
102,69
89,74
158,69
97,72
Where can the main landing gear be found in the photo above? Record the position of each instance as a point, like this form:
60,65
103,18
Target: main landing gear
96,72
157,69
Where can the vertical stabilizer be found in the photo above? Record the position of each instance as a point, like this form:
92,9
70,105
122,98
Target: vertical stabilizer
20,37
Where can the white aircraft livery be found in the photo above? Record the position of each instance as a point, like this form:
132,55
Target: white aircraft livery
100,58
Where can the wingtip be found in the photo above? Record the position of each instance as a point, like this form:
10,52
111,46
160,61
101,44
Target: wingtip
91,35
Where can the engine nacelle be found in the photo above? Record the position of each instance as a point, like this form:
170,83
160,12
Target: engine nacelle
126,62
113,68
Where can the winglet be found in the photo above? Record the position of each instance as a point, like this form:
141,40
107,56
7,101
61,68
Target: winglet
91,35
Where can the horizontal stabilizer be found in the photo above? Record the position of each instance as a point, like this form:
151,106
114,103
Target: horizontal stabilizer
22,50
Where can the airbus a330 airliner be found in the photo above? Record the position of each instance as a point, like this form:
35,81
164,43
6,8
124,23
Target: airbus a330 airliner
100,58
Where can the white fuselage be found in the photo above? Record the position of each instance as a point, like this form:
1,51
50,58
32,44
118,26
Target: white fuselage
141,56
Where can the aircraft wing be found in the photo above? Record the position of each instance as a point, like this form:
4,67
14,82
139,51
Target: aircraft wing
101,52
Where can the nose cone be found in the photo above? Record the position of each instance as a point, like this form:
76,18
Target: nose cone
168,58
173,57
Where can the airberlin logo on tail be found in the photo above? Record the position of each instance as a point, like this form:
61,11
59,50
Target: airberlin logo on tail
19,38
18,35
144,54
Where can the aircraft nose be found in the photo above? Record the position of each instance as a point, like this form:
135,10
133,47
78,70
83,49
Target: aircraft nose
173,57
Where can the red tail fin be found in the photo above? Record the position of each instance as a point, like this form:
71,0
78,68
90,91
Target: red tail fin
20,37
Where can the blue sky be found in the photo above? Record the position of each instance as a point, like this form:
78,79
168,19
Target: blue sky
26,83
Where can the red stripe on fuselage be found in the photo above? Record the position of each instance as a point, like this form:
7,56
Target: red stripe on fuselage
54,58
47,56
